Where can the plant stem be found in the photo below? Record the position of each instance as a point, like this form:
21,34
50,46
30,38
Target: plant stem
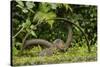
18,32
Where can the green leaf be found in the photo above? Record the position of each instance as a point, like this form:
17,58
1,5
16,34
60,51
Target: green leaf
20,3
20,6
30,4
50,22
33,33
77,29
33,27
25,10
27,23
23,25
44,7
41,16
51,16
68,7
31,11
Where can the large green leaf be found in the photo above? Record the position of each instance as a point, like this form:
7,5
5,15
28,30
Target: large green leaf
44,7
40,17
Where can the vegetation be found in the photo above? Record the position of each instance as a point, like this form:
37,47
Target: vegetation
32,18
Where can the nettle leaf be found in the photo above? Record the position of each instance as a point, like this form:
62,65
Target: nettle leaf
33,33
30,4
25,10
20,3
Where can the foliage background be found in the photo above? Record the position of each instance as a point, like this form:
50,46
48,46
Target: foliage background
30,17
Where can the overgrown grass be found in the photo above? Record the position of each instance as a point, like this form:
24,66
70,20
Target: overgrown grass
74,54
